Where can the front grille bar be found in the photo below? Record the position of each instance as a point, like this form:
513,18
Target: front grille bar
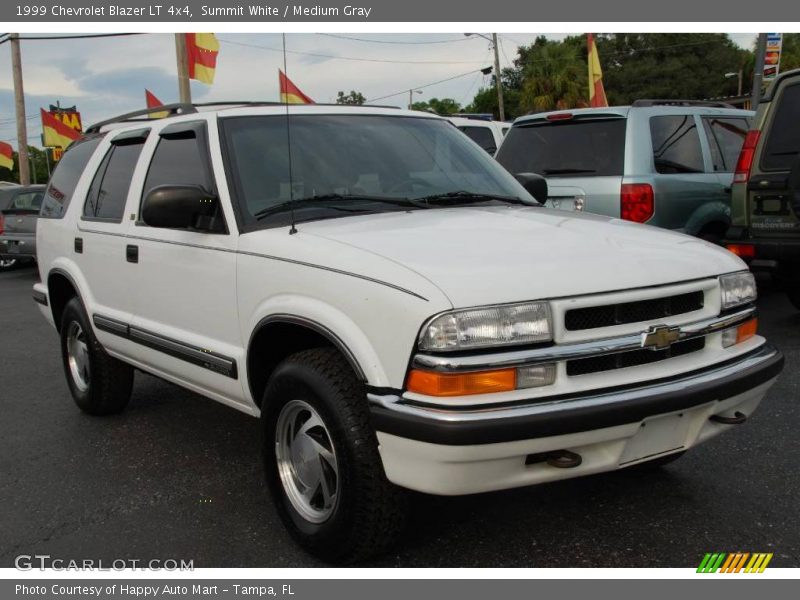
534,356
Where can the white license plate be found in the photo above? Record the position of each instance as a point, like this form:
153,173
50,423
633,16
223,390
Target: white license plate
656,436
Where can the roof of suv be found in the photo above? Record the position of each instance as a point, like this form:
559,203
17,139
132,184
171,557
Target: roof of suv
182,112
624,111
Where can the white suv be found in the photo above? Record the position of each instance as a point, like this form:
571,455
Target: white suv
396,307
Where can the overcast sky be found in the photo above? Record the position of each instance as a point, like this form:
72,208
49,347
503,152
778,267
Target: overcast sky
107,76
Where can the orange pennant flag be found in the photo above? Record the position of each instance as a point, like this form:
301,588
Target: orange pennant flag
56,133
6,156
290,93
153,102
597,94
201,52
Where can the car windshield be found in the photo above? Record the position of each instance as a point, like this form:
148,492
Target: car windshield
579,148
352,164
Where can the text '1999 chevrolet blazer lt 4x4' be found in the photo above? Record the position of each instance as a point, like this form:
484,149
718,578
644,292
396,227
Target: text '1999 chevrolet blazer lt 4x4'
398,309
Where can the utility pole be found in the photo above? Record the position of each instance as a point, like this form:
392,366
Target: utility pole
758,74
19,106
497,81
184,90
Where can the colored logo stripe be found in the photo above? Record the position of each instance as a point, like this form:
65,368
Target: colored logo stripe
734,563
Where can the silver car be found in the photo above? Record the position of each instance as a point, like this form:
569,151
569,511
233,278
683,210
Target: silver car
668,163
19,210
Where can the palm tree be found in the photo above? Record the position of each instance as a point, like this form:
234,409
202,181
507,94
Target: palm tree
554,78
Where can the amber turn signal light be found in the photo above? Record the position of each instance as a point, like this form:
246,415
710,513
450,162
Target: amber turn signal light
461,384
746,330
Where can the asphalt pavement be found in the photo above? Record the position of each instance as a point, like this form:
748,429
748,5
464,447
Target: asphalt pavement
178,476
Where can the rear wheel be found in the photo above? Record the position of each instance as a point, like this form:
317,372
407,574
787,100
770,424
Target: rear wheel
322,463
6,264
100,384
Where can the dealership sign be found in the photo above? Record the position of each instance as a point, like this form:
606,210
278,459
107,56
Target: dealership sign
772,57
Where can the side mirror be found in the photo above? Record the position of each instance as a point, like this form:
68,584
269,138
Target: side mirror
182,207
534,184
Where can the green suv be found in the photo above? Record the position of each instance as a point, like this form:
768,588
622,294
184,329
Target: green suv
765,209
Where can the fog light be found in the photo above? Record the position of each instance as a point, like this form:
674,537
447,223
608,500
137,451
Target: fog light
737,335
536,376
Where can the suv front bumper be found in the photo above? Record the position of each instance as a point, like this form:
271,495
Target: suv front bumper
451,452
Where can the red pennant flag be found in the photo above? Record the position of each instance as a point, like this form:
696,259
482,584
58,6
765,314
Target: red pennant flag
201,52
597,94
153,102
290,93
6,156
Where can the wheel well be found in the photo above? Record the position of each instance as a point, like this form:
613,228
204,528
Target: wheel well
717,228
60,290
276,340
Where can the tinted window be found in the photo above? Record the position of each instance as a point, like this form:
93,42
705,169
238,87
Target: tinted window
481,136
725,139
177,161
580,148
783,139
676,144
109,190
65,178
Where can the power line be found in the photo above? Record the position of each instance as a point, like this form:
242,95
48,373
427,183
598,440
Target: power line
356,39
71,37
372,60
419,87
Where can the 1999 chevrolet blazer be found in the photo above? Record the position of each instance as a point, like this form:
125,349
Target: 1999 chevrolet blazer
398,309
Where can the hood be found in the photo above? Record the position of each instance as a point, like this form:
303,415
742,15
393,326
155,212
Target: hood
491,255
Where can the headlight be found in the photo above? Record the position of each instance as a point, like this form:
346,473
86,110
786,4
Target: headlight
737,288
490,326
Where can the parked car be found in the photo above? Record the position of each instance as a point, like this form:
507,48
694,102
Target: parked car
379,298
666,163
482,130
19,210
766,188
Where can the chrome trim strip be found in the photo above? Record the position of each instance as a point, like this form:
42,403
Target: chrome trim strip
499,360
590,400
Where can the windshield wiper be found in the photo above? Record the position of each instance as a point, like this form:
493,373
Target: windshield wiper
331,201
465,197
567,171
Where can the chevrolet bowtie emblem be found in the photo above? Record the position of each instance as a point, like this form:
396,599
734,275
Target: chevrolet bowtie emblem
660,337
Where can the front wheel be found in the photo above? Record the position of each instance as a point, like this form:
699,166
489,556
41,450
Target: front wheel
322,463
99,383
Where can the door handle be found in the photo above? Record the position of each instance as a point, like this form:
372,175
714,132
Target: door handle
78,245
132,253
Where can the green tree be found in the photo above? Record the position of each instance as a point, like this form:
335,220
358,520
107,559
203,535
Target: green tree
38,163
553,75
445,106
354,98
790,54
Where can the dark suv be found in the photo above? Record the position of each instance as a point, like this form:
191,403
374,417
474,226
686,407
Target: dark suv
765,211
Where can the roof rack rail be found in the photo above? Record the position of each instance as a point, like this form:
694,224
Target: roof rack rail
173,109
707,103
181,108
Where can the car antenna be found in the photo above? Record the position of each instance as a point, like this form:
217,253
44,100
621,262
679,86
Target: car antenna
292,229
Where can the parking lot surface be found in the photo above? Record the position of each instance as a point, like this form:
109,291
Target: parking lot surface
178,476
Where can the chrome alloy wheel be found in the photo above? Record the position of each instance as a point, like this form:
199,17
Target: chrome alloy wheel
306,461
7,263
78,356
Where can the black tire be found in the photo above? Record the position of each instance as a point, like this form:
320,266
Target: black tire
657,463
369,511
107,383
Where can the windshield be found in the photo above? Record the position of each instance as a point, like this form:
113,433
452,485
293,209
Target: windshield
351,164
580,148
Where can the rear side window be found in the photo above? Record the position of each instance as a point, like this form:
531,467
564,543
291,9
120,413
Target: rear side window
65,178
109,190
725,139
579,148
783,140
177,161
481,136
676,144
